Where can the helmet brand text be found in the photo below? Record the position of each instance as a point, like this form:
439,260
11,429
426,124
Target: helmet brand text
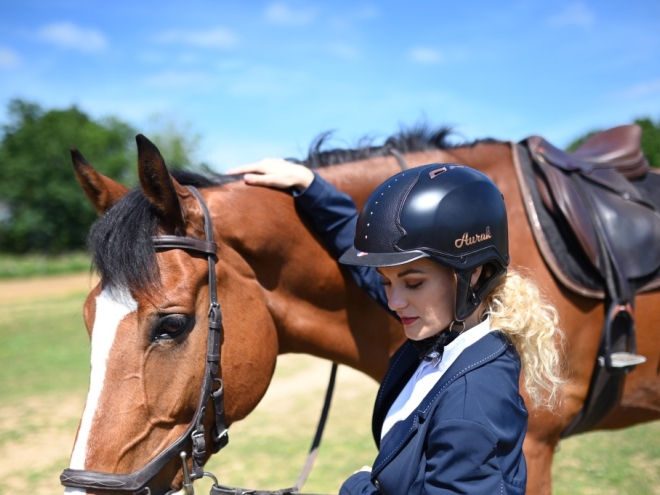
468,240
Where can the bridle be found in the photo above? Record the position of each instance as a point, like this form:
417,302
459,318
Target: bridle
212,389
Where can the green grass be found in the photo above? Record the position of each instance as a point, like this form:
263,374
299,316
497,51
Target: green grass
44,352
43,347
269,448
610,462
34,265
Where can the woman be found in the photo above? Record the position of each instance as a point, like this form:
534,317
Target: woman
431,245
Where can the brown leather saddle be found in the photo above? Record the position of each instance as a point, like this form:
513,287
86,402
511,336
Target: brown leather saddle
607,227
589,188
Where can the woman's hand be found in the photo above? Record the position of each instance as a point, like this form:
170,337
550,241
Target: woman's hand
276,172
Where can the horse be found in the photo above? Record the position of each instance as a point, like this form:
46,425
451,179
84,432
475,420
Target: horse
280,291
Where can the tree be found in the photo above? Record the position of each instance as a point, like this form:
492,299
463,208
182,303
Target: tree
44,208
175,141
650,140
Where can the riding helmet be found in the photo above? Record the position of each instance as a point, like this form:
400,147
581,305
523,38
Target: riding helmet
450,213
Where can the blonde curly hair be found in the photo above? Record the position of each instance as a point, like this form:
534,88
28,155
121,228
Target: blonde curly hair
517,308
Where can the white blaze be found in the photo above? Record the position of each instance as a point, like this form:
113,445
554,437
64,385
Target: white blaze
111,308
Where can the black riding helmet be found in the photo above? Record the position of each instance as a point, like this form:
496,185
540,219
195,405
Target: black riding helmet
450,213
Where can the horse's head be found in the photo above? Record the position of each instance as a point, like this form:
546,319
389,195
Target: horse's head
148,321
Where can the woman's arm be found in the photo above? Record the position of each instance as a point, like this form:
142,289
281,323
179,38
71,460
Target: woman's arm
332,212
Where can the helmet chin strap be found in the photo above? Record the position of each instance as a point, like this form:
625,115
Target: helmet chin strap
466,300
457,322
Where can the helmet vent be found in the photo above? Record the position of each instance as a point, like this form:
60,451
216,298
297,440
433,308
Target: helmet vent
434,173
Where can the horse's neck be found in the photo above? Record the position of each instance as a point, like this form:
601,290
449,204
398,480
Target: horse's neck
314,307
317,309
358,179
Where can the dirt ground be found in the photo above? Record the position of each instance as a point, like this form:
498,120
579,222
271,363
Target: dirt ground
37,435
43,287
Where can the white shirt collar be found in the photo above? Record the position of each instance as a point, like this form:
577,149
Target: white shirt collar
427,375
464,340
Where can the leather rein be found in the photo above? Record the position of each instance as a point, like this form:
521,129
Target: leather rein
211,389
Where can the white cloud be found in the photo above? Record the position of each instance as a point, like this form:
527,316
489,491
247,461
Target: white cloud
8,58
179,79
343,51
68,35
282,14
225,152
367,13
133,108
576,14
266,82
348,20
642,89
218,38
426,56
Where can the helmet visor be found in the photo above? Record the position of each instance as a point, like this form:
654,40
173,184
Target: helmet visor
355,257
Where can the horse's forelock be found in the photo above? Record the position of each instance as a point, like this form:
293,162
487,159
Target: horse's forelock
120,241
121,246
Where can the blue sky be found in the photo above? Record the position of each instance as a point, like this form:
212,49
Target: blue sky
257,79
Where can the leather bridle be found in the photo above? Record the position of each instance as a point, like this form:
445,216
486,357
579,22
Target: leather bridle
212,389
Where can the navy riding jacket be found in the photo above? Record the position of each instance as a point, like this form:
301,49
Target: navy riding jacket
466,435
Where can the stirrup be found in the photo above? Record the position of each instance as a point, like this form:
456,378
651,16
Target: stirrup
623,359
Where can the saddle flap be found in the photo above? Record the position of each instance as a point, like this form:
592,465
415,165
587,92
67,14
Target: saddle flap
631,229
563,201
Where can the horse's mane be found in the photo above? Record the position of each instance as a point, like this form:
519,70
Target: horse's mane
120,241
419,138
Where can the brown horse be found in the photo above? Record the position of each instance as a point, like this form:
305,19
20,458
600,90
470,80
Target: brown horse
280,292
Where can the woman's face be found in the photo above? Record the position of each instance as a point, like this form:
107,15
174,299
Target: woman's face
422,295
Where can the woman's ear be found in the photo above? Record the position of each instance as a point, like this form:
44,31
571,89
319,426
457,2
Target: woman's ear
474,278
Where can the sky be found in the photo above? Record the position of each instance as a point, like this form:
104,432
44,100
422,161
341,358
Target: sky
258,79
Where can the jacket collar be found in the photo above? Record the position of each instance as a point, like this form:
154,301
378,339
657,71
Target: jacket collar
482,352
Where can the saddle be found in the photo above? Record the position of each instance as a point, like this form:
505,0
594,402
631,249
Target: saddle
608,216
596,219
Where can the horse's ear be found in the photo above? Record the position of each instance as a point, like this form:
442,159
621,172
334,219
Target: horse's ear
102,191
162,190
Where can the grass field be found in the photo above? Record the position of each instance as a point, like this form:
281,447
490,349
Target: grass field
43,378
38,265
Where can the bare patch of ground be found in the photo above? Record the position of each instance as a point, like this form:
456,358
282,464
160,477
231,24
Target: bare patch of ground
36,438
37,433
42,287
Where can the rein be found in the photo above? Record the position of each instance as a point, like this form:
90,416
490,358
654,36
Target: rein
211,389
399,158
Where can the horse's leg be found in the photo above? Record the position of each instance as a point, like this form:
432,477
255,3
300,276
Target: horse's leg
539,447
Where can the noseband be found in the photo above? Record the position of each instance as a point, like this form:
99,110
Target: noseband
212,389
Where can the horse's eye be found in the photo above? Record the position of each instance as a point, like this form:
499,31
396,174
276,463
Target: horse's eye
170,327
